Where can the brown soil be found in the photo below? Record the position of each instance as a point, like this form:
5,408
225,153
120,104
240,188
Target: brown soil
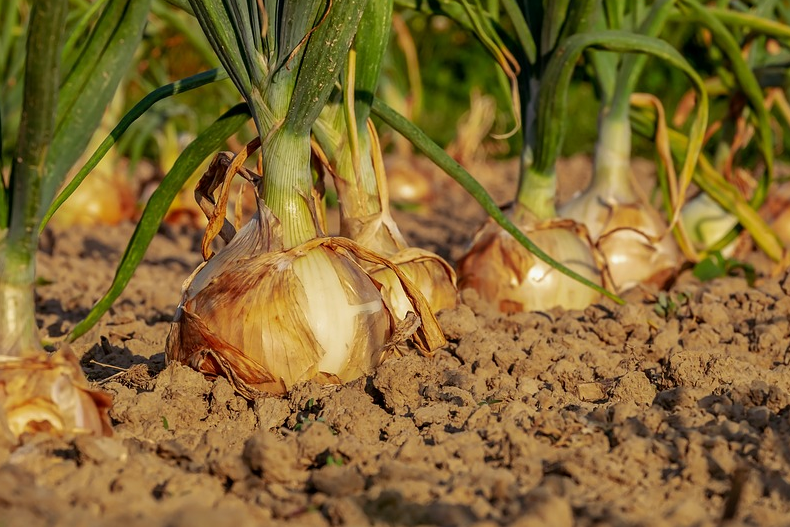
609,416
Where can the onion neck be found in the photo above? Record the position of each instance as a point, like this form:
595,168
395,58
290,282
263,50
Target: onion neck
359,195
536,190
287,180
612,163
536,194
287,185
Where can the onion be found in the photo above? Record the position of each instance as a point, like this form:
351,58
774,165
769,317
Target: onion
268,318
40,392
103,198
630,233
512,279
706,222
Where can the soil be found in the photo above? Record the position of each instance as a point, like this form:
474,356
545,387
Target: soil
614,415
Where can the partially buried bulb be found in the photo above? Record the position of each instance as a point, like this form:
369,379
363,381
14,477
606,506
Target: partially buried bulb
509,277
268,318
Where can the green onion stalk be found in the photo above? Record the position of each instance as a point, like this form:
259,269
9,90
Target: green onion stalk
349,141
500,269
61,108
282,303
630,233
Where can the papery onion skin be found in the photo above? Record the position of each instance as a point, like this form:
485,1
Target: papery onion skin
260,309
625,234
431,274
512,279
268,318
49,393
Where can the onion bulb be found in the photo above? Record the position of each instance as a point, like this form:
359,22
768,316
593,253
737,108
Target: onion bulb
410,179
103,198
429,272
508,276
365,218
269,318
625,233
630,234
706,222
41,392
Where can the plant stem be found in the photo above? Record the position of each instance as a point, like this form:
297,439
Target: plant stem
536,192
18,245
287,185
611,179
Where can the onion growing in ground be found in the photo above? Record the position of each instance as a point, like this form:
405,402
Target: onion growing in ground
365,218
348,145
512,279
281,303
630,233
501,270
48,393
267,317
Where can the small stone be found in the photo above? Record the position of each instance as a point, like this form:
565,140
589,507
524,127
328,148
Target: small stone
335,480
457,322
591,391
635,386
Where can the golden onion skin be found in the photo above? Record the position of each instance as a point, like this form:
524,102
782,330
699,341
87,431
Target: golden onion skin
512,279
261,314
42,392
625,233
268,318
430,273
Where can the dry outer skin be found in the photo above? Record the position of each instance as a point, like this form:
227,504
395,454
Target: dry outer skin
609,416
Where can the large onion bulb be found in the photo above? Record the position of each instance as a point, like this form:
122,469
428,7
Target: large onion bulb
269,318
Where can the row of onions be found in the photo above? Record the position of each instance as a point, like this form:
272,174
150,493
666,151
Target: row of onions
611,233
607,238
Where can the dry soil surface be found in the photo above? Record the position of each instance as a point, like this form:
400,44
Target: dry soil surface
613,415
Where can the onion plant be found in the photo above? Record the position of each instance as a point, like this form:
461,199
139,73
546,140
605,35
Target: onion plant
65,93
349,143
630,233
282,303
502,271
